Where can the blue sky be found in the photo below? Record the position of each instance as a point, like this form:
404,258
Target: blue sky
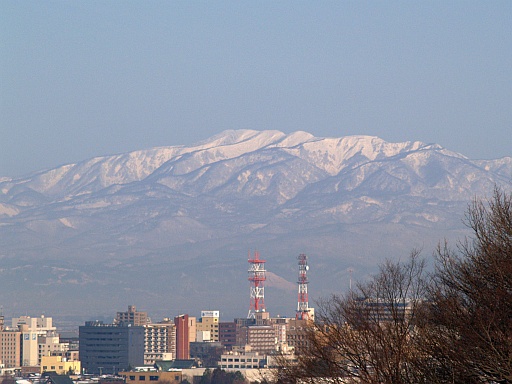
87,78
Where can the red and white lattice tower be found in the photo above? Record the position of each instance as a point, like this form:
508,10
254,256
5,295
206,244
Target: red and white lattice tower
303,303
257,278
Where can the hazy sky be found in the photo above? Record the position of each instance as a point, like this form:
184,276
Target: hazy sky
87,78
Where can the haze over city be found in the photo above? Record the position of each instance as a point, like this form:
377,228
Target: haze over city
85,79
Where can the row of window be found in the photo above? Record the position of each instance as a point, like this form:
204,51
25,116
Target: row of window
237,360
239,366
143,378
118,346
151,378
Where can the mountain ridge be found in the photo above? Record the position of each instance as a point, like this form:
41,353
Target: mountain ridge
169,213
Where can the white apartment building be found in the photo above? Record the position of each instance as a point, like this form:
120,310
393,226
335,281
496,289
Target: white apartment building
159,341
242,359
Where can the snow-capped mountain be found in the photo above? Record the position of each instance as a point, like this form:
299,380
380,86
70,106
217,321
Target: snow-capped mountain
172,225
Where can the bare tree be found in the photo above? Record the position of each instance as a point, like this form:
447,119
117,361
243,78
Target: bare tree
366,335
385,332
468,329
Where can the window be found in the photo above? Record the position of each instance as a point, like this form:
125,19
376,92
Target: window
132,377
142,378
153,378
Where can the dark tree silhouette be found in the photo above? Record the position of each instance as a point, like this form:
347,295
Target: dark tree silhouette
454,326
470,320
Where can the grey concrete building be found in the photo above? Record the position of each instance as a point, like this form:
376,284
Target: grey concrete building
110,348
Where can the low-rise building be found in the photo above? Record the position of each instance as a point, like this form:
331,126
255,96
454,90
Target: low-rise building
148,377
242,358
60,365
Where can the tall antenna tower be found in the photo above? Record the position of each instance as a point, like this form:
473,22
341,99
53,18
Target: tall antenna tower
257,278
303,303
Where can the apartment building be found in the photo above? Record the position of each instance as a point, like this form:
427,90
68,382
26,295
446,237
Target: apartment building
159,341
132,316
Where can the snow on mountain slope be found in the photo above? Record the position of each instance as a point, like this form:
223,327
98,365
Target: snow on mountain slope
501,166
94,174
8,210
245,163
333,154
243,139
162,219
100,172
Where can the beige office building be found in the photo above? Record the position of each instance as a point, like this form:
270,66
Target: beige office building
132,316
209,322
35,330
